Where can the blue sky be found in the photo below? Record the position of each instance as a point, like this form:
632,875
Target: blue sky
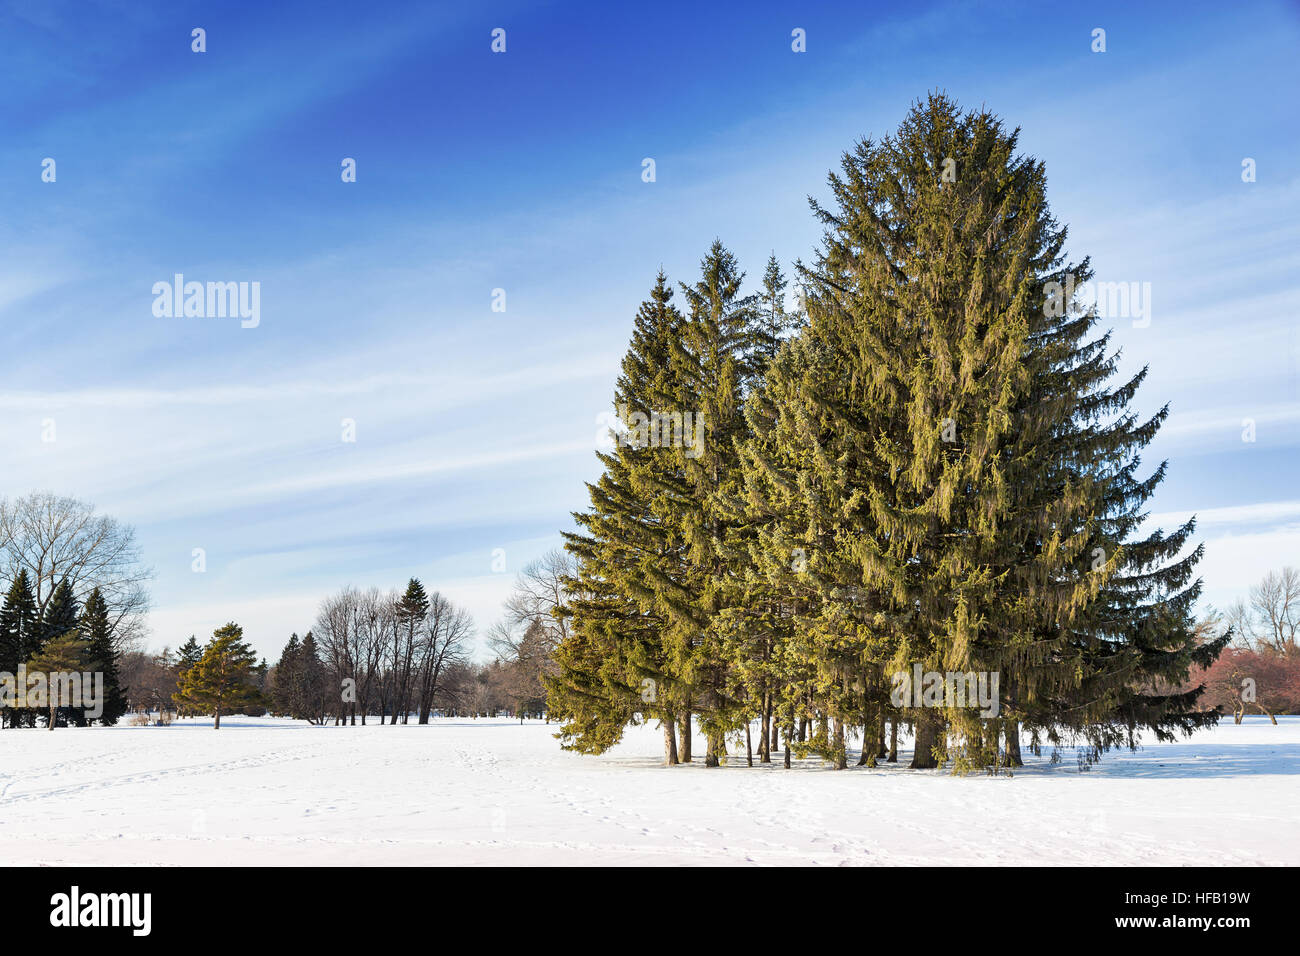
522,171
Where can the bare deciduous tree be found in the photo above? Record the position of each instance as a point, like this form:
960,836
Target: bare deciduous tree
58,538
443,638
363,638
540,595
1270,616
149,680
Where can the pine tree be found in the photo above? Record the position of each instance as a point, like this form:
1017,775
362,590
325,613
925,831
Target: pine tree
313,687
613,664
59,618
963,456
187,656
805,468
224,678
65,654
757,614
255,705
286,678
718,355
414,603
18,627
412,608
772,321
102,656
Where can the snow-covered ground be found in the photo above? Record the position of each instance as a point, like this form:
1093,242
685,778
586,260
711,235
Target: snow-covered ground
266,792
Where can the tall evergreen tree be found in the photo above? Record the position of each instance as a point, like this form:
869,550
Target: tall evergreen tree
102,655
287,678
59,618
313,684
19,628
966,456
412,608
60,615
613,665
187,655
720,353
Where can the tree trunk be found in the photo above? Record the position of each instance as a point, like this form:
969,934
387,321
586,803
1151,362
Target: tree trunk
749,747
926,737
764,741
684,732
670,743
1012,731
788,729
216,724
893,741
841,756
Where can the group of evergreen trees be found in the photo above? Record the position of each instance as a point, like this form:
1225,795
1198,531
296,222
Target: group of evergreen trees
930,464
61,637
301,685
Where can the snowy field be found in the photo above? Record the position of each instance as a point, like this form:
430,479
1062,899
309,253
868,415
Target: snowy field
267,792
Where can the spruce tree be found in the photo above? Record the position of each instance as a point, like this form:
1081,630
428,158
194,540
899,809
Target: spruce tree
614,665
18,628
773,322
59,618
102,656
716,357
966,457
313,685
187,656
412,608
805,467
287,678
